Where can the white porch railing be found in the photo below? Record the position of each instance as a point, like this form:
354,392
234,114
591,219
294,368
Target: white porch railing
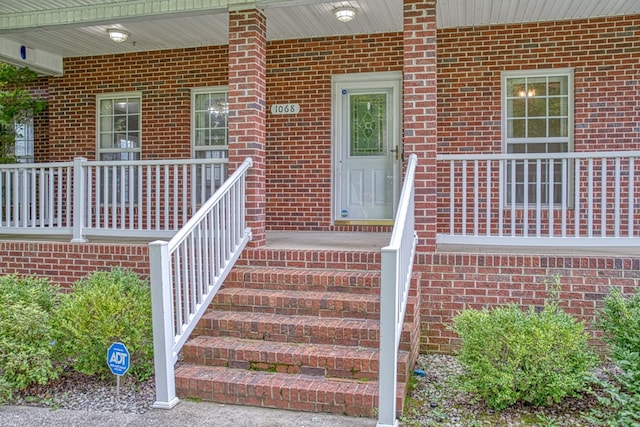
560,199
36,198
82,199
187,272
397,268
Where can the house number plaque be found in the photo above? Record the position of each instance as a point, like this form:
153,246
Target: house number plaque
285,109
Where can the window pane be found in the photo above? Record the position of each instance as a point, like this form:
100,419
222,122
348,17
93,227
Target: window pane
106,107
558,128
556,106
368,119
107,140
537,86
537,128
558,85
516,128
537,107
516,107
516,87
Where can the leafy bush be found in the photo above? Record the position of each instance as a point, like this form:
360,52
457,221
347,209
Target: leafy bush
104,308
511,355
26,332
620,321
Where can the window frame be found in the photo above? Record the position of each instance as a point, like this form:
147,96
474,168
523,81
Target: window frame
114,96
219,173
568,139
24,134
131,188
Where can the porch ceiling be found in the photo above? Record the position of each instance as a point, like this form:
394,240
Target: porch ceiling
71,28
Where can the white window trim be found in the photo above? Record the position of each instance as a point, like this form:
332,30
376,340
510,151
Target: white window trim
115,95
194,93
545,72
569,139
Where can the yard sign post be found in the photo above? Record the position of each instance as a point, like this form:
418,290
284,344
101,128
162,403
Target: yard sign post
118,361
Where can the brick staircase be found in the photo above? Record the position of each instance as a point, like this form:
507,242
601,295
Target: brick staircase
296,330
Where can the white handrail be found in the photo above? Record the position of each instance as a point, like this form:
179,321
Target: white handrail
397,268
188,271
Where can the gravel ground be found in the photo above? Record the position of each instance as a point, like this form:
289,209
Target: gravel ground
79,391
432,402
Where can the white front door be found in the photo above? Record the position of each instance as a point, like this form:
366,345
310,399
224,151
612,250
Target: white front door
366,147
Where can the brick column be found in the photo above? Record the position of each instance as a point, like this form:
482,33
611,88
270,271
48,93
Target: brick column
420,111
247,109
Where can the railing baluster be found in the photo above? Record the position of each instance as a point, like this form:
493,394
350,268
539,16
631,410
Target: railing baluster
525,201
538,197
452,165
576,197
513,198
632,198
501,196
590,199
488,198
565,186
551,198
464,197
603,198
475,197
616,198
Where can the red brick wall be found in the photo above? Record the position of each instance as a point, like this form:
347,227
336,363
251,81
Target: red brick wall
165,79
452,282
299,146
605,55
65,263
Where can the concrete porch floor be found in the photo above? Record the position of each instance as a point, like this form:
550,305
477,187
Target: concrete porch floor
310,240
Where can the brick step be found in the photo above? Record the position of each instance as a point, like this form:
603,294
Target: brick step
295,279
309,359
321,304
307,303
295,392
311,259
298,329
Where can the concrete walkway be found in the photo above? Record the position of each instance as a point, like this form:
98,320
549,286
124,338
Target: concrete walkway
190,414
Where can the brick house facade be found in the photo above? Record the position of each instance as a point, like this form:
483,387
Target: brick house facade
452,104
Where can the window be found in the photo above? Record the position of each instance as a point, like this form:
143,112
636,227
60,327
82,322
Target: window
210,138
119,125
537,118
24,139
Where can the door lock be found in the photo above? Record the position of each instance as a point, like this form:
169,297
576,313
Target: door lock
396,150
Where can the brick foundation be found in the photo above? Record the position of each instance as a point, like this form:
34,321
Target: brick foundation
65,263
452,282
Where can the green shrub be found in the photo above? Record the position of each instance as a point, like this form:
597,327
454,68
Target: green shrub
26,332
620,321
511,355
104,308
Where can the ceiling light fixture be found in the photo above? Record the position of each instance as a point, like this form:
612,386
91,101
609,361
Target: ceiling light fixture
117,35
344,13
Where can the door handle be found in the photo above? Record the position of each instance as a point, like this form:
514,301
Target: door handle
396,150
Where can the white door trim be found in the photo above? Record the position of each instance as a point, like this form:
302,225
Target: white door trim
383,80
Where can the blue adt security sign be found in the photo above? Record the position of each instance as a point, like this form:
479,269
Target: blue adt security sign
118,358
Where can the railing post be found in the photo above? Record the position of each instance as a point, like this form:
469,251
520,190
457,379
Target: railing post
162,325
79,200
388,349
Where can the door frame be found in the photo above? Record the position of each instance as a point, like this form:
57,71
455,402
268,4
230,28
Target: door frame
382,80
